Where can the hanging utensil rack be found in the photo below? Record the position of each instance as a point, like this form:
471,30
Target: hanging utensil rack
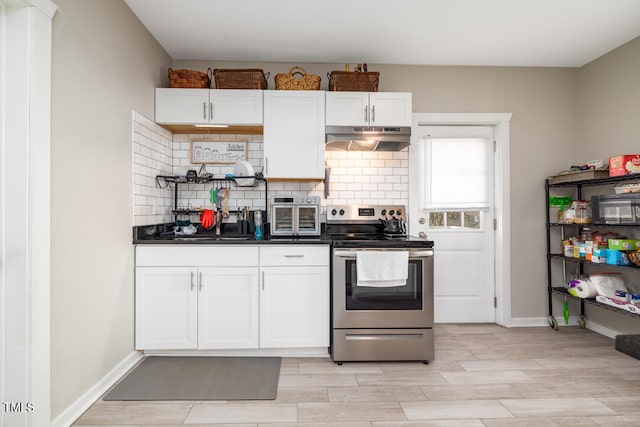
166,181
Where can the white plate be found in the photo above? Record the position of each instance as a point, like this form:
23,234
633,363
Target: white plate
244,168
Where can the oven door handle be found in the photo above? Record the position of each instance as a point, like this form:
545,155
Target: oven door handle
412,254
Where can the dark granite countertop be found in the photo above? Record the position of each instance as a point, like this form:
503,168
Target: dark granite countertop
162,234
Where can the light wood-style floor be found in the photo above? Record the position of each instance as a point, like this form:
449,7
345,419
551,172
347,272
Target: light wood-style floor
483,375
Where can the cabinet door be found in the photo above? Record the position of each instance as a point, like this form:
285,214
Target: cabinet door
294,307
294,134
235,107
390,109
182,106
347,108
166,304
228,308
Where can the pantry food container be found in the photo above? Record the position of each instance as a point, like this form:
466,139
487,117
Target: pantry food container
624,164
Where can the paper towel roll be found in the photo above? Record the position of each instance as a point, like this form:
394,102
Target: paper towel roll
585,289
607,283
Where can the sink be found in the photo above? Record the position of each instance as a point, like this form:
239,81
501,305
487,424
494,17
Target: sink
197,238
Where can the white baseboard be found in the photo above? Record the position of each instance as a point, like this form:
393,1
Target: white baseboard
75,410
275,352
596,327
528,322
525,322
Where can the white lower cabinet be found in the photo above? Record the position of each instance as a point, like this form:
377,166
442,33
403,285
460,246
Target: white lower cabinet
230,300
203,308
166,308
294,296
228,308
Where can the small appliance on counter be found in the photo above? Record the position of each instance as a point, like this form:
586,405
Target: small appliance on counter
295,216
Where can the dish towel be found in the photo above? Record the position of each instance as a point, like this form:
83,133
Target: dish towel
382,268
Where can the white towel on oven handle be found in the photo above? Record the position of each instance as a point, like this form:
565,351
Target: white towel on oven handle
382,268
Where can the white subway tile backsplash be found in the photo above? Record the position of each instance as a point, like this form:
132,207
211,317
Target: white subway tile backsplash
370,177
355,178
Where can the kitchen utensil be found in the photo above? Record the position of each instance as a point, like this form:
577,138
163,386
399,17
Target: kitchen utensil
225,206
243,168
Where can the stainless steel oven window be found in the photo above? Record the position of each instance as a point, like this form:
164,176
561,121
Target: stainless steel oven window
308,219
282,221
407,297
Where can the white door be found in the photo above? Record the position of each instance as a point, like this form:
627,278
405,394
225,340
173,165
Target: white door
228,307
454,207
189,106
347,108
235,107
294,307
166,308
294,128
390,108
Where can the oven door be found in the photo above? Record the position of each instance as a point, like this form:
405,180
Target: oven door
282,219
308,220
409,306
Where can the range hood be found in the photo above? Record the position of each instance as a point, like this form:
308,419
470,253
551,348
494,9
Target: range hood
347,138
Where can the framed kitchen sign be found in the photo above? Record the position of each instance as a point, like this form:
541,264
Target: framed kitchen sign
220,152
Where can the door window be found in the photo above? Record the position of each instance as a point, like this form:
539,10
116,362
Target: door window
455,220
457,175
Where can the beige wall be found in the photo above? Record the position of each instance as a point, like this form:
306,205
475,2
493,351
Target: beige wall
608,123
608,104
542,101
105,64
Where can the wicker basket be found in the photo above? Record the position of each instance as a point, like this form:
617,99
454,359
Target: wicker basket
297,79
354,81
189,79
243,78
579,176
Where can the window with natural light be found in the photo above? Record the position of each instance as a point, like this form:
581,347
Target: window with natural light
456,187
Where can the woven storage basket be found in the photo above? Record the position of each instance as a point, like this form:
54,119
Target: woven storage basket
297,79
243,78
579,176
354,81
189,79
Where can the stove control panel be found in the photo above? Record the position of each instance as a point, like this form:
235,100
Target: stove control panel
367,213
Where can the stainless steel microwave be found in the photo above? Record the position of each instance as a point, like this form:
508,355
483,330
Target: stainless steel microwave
616,208
295,216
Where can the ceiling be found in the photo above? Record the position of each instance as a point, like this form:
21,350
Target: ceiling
545,33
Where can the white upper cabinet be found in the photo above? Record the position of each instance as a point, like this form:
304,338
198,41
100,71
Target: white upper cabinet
294,123
368,109
235,106
209,106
